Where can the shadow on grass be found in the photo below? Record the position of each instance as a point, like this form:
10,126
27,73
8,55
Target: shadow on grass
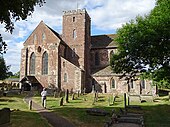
27,119
7,100
79,116
157,115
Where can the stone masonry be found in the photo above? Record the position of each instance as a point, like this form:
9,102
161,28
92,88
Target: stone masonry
75,60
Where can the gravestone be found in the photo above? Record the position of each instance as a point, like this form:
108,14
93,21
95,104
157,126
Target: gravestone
73,96
30,104
61,101
5,116
78,93
67,96
147,97
135,98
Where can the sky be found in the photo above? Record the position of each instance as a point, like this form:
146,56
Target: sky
106,17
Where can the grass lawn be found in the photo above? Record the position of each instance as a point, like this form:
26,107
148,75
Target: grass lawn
156,114
21,116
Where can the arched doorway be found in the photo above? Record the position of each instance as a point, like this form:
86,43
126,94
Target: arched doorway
26,86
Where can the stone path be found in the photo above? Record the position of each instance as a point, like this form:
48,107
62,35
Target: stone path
52,118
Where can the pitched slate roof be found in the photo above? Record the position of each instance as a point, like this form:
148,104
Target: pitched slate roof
103,41
32,79
106,71
58,35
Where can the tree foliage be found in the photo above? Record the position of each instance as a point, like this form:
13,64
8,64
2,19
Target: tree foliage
3,69
14,10
144,44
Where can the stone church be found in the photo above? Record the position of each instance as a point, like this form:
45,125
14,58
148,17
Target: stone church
74,60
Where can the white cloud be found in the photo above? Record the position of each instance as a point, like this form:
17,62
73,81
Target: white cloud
105,15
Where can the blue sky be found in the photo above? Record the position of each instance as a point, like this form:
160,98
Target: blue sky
106,17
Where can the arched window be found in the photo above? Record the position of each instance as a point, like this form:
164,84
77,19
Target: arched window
74,34
32,63
65,77
45,63
113,85
97,60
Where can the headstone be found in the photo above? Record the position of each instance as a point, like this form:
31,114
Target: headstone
125,100
84,91
97,95
30,104
114,99
61,101
93,88
60,94
67,96
73,96
5,116
55,94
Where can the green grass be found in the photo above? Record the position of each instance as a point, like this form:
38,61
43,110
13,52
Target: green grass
21,116
156,114
75,110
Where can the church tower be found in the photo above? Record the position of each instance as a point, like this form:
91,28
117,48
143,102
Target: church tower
77,35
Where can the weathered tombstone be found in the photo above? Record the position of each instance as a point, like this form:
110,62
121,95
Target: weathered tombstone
97,95
30,104
78,93
67,96
114,98
5,116
55,94
60,94
125,100
84,91
128,101
61,101
73,96
93,88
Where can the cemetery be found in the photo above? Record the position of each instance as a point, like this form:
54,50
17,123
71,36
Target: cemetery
82,109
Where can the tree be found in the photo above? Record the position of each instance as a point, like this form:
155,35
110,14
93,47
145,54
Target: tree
3,69
14,10
144,44
16,75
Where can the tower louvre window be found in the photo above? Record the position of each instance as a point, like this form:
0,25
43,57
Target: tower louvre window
74,19
74,34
